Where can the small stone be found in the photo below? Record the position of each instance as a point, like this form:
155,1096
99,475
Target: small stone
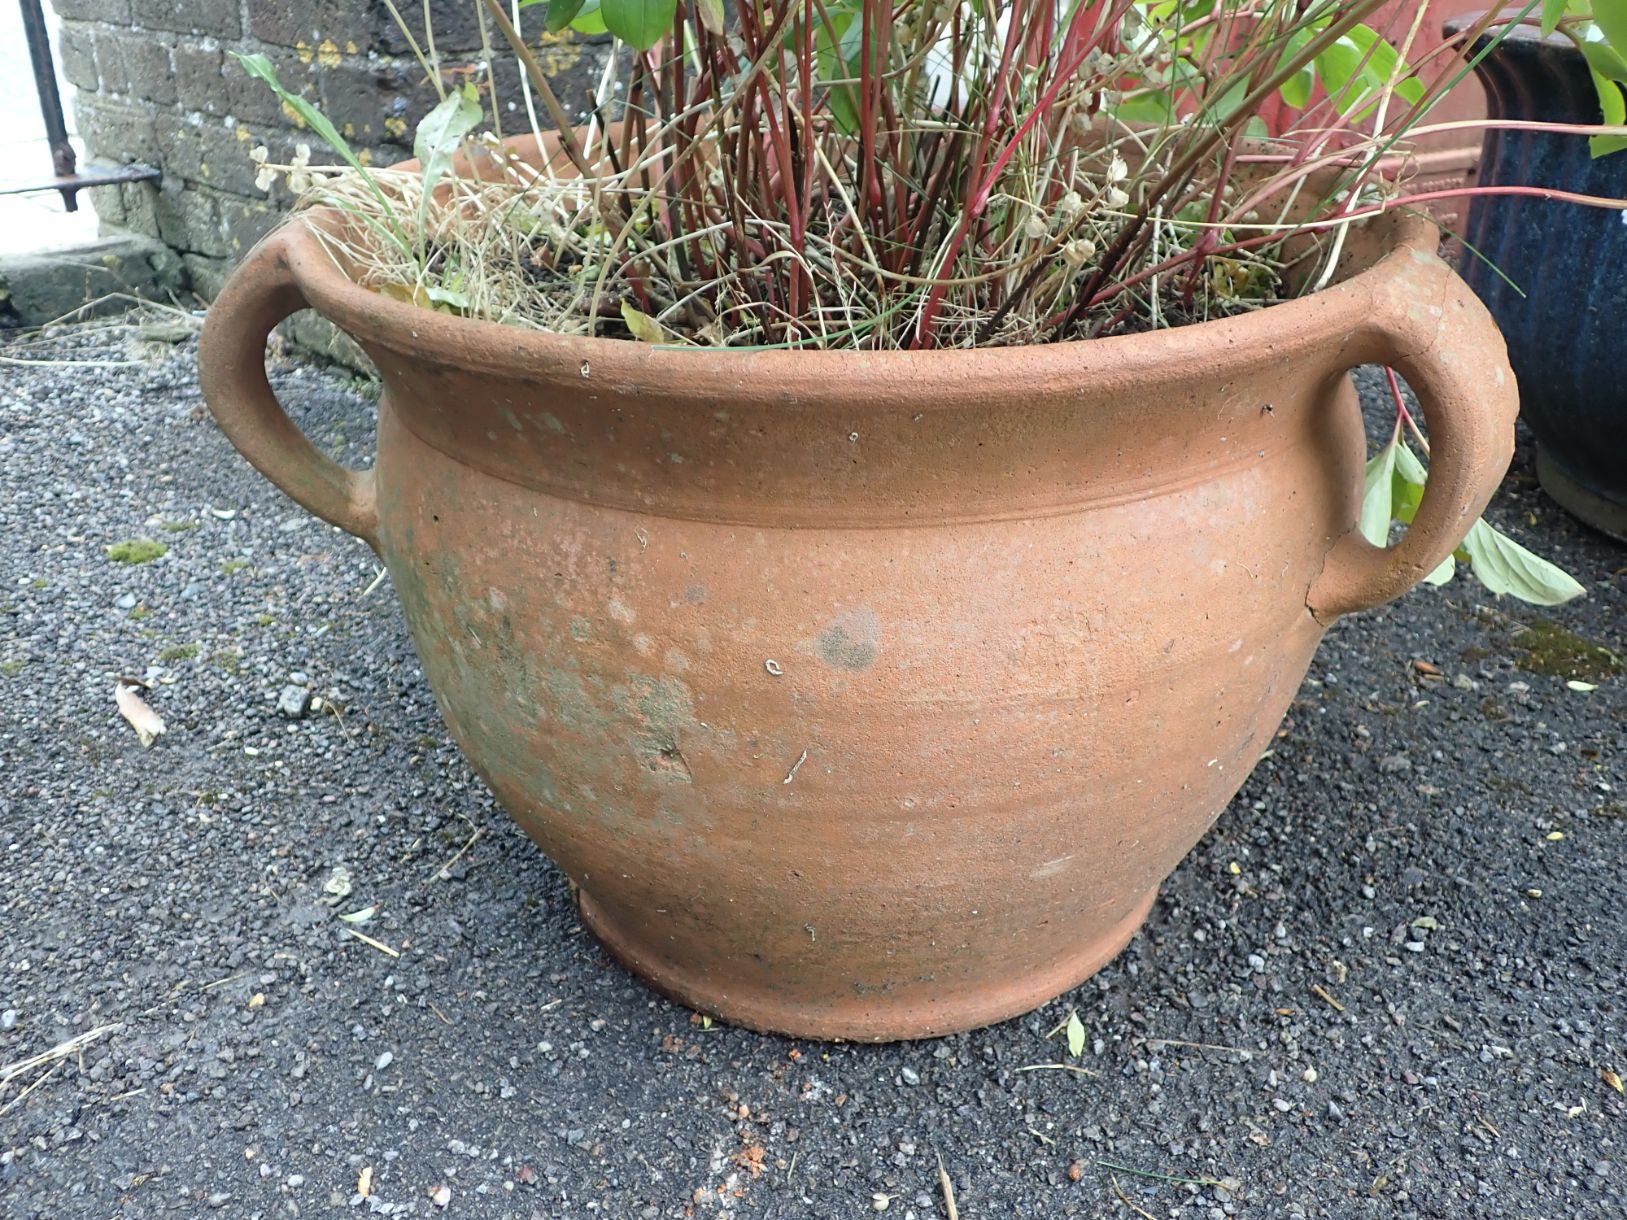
125,601
1334,1111
1308,1075
1395,763
383,1061
1283,1105
910,1075
295,1181
8,1019
441,1196
294,702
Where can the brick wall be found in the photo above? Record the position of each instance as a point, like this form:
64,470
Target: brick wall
153,83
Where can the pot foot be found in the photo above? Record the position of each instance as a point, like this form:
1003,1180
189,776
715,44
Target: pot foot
1589,507
872,1017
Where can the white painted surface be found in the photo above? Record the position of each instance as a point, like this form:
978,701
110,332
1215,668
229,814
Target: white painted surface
32,223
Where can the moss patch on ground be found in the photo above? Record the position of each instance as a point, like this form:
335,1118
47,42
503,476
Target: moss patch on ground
1544,647
136,550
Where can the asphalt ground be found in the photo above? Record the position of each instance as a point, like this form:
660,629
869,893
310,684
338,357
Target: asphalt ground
1387,983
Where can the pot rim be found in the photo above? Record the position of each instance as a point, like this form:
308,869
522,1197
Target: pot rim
426,337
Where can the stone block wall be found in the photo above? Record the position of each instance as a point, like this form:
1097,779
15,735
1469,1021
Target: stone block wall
154,83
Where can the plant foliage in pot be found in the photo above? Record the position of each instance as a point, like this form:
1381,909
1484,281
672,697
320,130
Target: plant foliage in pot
1551,270
865,503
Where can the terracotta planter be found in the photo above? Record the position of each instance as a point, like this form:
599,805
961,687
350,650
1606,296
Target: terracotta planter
1558,288
872,696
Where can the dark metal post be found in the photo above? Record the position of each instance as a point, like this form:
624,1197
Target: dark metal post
56,130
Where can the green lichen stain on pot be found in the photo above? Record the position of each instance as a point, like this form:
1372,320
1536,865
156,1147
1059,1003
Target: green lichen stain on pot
1544,647
136,550
659,709
851,641
581,630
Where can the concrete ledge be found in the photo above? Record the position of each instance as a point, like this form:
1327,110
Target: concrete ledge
40,288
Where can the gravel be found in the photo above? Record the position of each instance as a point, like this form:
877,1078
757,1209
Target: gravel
1387,983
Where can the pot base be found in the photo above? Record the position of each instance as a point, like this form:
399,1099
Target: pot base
869,1018
1589,507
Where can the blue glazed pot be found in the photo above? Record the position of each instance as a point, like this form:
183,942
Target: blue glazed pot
1567,333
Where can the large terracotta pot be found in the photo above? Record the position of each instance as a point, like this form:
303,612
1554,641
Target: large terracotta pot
872,695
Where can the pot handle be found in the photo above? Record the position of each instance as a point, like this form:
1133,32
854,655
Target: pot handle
231,371
1430,327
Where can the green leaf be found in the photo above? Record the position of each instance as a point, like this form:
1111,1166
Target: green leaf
259,67
1151,106
1611,18
1296,90
590,20
639,23
1076,1034
1408,494
561,13
1378,495
1552,11
1504,566
1613,106
441,134
1605,61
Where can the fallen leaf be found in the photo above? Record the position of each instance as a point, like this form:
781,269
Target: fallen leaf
711,15
337,885
257,1000
1076,1035
364,1183
1427,922
1555,836
361,916
148,725
1574,684
1614,1081
645,328
441,1196
1424,667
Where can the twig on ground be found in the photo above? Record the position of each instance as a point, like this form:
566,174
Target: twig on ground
442,871
368,940
948,1189
1125,1199
1058,1067
60,1051
1202,1046
1321,993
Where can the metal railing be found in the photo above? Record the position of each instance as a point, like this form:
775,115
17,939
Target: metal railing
69,179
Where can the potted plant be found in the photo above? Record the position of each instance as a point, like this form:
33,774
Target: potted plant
1550,271
865,504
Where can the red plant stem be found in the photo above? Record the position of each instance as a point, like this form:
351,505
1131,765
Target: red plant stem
1401,412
